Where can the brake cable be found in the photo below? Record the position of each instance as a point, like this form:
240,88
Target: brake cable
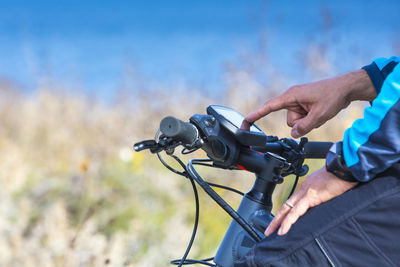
184,260
220,201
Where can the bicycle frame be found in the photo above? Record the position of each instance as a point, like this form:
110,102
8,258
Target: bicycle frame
255,208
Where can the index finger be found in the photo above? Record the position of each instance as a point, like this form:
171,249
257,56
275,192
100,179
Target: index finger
274,104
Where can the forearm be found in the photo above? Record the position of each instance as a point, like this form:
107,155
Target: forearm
347,88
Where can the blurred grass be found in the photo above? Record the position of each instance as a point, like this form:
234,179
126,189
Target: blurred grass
74,193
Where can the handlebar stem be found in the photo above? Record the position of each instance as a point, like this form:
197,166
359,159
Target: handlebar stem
266,166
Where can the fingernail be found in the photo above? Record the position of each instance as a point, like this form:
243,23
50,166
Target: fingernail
295,133
266,233
280,231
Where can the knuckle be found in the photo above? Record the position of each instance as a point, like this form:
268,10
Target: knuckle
294,88
312,195
289,123
311,192
274,102
270,101
302,128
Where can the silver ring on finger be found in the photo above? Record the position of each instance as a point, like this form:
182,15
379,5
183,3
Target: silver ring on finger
289,204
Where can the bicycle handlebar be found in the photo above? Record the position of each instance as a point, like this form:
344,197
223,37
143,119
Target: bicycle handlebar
187,133
316,150
179,130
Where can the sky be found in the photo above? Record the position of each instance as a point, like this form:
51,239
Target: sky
96,46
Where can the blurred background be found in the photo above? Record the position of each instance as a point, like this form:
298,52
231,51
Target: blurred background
81,81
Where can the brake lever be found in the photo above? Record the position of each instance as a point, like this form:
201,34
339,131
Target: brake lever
167,144
294,154
148,144
301,172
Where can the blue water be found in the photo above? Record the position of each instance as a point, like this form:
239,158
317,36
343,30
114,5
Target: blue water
101,46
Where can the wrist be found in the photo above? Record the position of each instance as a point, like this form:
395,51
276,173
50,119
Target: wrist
360,86
336,165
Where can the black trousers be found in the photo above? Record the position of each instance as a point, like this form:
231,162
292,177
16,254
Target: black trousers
359,228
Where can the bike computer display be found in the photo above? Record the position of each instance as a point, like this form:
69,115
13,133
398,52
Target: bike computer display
231,120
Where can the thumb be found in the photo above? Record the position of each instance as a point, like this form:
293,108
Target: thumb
304,125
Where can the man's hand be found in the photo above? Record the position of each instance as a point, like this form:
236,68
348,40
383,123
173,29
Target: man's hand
311,105
317,188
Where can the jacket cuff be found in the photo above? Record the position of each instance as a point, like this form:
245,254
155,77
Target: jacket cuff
375,75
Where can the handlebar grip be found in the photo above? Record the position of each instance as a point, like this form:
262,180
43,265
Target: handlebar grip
317,150
178,130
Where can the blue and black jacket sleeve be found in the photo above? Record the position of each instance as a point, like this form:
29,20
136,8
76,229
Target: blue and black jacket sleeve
372,144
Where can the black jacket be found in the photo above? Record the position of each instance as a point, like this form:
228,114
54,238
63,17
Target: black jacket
359,228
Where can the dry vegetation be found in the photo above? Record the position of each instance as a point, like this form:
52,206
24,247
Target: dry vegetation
74,194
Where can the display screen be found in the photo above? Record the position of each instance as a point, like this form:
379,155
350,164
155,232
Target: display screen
234,117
